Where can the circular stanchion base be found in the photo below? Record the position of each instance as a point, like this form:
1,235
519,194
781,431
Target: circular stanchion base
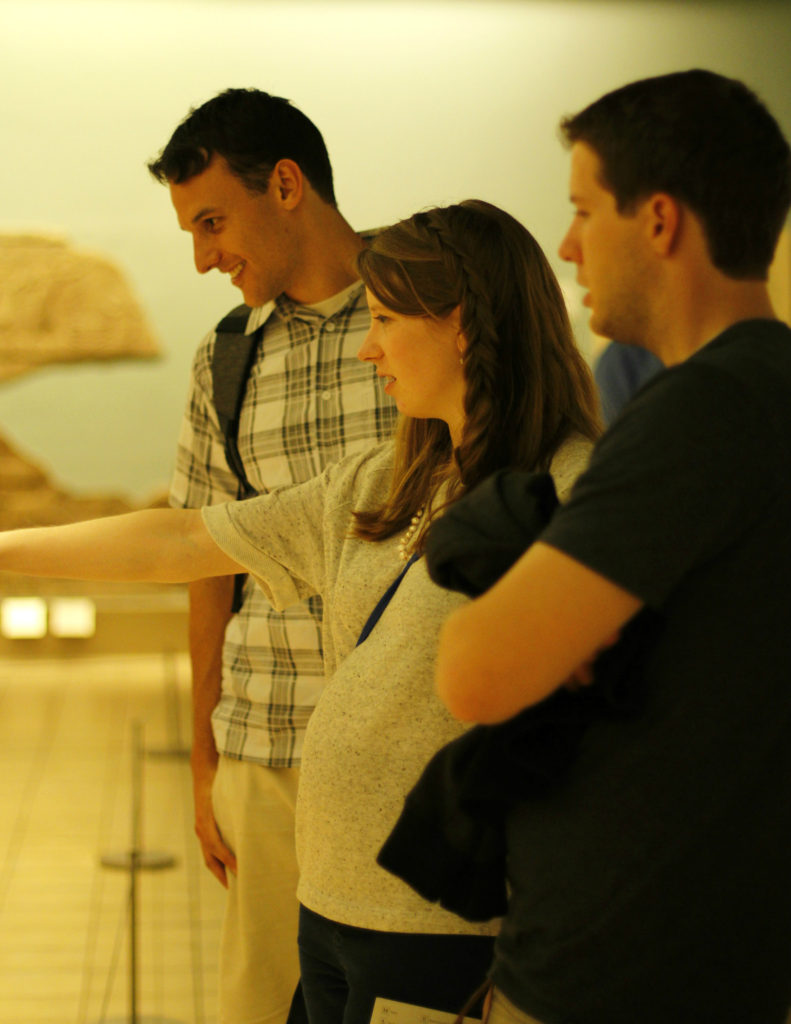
182,753
143,861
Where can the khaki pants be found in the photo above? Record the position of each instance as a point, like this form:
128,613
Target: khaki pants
259,968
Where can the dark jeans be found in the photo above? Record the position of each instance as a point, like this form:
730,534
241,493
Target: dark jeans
344,969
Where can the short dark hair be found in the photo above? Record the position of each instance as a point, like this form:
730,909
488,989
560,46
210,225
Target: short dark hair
251,130
709,142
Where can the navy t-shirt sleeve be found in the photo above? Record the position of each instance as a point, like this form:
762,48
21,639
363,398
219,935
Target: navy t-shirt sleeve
671,484
619,373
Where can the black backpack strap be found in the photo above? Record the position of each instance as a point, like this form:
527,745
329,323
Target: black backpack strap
232,359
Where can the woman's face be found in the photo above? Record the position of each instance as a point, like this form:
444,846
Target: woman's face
420,361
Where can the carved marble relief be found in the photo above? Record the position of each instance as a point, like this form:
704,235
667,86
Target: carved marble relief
59,304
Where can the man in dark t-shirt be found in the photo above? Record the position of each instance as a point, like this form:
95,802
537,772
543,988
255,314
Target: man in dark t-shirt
652,884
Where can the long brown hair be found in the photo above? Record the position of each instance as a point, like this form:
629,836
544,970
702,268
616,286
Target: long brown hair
528,388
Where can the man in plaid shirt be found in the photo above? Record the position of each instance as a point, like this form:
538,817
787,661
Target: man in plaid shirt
250,179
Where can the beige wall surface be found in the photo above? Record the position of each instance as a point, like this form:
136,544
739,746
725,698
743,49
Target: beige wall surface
420,102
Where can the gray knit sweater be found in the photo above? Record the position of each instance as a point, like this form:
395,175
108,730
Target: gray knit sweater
378,720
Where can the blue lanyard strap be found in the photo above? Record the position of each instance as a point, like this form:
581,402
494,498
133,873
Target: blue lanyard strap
384,601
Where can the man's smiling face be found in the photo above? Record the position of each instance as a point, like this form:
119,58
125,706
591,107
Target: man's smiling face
240,233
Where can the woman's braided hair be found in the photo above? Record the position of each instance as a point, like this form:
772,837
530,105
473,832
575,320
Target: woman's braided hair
527,386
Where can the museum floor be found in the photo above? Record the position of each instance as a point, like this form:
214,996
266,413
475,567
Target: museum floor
68,729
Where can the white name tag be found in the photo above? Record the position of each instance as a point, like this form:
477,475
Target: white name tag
388,1011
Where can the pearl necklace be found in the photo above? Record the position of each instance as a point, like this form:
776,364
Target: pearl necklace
411,530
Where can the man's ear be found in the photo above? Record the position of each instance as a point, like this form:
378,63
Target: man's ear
663,222
288,183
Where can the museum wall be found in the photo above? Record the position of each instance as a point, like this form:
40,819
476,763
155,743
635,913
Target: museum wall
420,103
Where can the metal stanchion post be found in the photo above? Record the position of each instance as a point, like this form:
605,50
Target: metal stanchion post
176,747
135,860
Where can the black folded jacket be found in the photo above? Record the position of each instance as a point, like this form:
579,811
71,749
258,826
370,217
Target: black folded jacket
449,842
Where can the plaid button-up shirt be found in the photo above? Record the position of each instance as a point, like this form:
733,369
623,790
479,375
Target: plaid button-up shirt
309,401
